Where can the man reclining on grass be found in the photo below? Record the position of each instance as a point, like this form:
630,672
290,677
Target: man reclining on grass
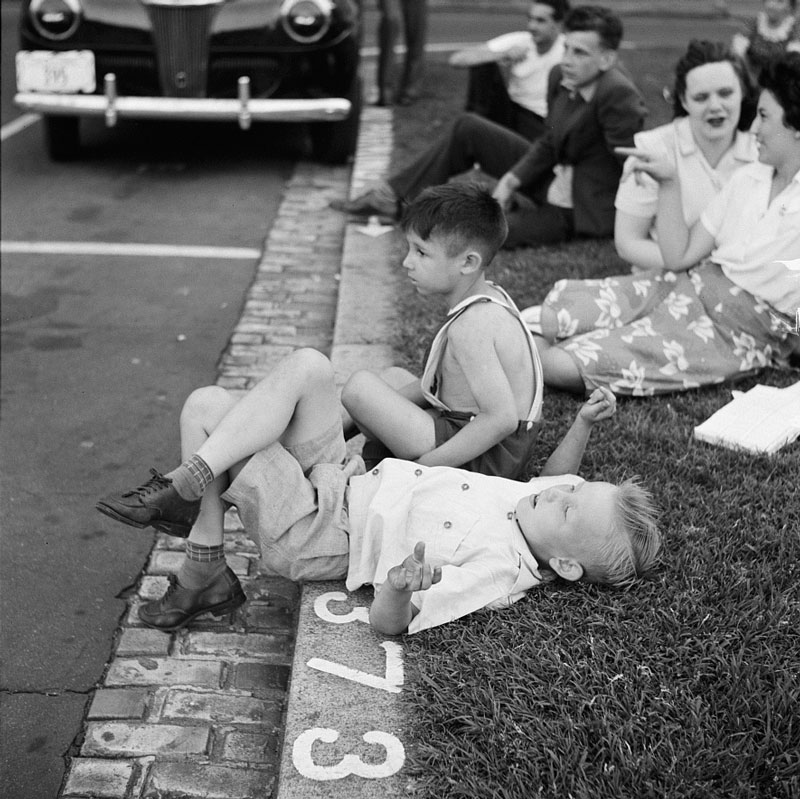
278,454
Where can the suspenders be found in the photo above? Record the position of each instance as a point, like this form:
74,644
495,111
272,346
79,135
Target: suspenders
429,374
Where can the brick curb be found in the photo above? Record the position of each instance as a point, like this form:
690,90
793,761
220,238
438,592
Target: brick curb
341,696
200,713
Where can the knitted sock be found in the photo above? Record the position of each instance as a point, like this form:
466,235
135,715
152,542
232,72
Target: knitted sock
191,478
201,566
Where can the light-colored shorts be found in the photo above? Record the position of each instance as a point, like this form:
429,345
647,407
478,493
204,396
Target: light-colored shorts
291,501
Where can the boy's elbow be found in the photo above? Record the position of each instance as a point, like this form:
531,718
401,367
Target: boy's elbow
508,423
387,626
388,629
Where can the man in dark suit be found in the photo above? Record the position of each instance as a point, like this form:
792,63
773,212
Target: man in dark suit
563,184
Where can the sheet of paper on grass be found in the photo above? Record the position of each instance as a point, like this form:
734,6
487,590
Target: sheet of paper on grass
761,420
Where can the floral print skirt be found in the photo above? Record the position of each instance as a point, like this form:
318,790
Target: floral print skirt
646,334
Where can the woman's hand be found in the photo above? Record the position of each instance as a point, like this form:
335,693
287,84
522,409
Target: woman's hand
659,167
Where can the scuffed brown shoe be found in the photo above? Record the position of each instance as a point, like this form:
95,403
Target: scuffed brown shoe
155,503
180,605
379,201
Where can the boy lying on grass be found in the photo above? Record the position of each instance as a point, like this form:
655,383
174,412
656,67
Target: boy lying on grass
278,454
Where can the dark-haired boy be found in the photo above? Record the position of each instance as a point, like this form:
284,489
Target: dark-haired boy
478,403
278,453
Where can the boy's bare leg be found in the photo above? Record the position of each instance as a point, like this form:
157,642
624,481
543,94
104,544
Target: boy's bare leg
295,403
398,378
202,412
386,407
558,367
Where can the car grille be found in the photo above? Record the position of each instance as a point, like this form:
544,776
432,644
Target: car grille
181,34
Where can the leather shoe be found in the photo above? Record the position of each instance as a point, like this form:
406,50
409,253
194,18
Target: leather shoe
180,605
380,201
155,503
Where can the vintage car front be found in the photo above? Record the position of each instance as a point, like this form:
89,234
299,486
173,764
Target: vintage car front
240,60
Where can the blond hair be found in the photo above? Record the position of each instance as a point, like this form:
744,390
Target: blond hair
632,547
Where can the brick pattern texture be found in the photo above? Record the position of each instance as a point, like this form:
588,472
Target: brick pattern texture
199,713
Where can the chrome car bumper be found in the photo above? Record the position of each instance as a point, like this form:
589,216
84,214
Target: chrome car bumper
244,109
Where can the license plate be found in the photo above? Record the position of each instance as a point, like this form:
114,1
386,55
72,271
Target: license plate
59,73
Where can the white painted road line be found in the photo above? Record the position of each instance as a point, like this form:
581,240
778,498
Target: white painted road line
127,250
17,125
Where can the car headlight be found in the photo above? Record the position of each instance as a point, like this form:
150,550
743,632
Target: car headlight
55,19
306,21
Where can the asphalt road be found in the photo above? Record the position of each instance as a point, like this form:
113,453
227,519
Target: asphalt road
98,353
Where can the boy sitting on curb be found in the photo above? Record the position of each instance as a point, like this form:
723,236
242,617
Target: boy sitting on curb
479,402
278,454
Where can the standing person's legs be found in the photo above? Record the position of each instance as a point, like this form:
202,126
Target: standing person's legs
415,20
388,30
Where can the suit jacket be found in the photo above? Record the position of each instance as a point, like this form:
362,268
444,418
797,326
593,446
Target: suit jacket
583,135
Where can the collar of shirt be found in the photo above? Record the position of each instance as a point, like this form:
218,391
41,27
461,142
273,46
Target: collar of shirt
587,92
779,33
744,143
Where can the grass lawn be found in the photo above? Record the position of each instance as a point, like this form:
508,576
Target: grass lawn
687,686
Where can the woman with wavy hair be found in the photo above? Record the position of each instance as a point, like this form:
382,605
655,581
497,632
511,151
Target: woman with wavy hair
714,103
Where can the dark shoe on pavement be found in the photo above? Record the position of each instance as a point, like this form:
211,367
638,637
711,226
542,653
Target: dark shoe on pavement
380,201
155,503
180,605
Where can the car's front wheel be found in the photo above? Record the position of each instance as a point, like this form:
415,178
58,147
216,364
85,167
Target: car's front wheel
335,142
62,137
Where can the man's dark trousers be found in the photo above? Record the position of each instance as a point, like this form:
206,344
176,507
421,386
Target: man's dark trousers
475,140
487,96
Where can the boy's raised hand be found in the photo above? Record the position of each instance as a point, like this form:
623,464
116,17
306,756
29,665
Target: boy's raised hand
602,404
413,574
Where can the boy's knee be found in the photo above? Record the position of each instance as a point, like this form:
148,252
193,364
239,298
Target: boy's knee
355,387
396,376
311,364
206,401
560,371
549,323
